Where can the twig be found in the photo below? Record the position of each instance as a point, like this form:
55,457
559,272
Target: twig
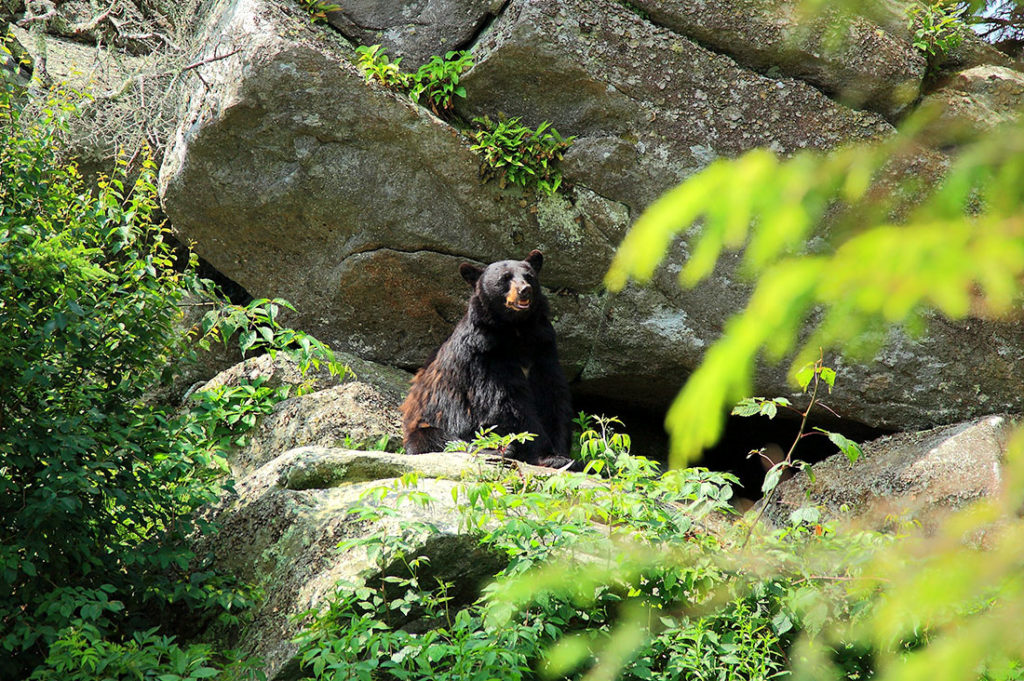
93,23
833,578
48,9
788,461
208,60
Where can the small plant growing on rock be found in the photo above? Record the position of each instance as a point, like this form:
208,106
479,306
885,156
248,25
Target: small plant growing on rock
375,64
517,154
438,80
810,378
318,9
486,439
936,28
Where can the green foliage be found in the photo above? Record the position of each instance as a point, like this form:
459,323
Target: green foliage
512,152
83,654
895,253
437,80
486,439
98,484
616,577
937,27
318,9
810,377
517,154
258,331
375,64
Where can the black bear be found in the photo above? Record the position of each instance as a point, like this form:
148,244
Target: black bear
498,368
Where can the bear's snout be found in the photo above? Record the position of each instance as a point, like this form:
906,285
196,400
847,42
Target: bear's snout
519,296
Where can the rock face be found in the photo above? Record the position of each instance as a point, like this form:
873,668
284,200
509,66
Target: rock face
324,410
906,477
305,181
974,101
414,31
870,63
281,532
649,106
297,179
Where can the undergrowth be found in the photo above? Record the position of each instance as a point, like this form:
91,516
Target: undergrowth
632,576
520,155
99,484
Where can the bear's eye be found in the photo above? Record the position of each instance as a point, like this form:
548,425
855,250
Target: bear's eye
507,277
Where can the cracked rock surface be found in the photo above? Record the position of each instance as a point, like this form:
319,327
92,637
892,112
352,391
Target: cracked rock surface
297,179
909,477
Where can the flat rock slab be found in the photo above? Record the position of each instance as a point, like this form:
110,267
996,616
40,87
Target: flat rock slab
904,477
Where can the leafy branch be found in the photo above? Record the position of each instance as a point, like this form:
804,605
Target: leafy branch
809,377
958,251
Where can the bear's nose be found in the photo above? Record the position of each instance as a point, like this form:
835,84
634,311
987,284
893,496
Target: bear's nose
525,291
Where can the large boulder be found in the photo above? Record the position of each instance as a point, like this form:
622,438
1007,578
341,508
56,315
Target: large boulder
866,61
414,31
296,178
974,101
649,106
282,529
355,410
914,477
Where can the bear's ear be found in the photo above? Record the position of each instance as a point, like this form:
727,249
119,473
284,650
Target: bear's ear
470,272
536,259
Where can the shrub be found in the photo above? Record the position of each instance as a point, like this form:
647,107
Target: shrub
375,64
437,80
936,27
619,577
517,154
99,486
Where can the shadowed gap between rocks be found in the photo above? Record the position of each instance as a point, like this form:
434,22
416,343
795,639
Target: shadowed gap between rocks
646,428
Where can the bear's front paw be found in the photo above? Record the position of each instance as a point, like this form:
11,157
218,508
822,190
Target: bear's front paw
560,462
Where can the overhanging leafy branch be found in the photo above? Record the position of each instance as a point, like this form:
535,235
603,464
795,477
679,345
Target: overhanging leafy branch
894,252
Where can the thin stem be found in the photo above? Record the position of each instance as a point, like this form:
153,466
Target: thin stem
788,462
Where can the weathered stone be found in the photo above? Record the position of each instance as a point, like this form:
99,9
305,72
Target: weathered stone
325,410
973,51
350,415
858,61
906,477
282,529
413,31
972,102
649,106
298,180
273,372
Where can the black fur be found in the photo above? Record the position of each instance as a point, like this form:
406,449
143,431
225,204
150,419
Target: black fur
498,368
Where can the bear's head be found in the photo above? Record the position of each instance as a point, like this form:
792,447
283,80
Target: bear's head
509,288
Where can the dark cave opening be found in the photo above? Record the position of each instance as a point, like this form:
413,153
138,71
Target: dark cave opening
742,435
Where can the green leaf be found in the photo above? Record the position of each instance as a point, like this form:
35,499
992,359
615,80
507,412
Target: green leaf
772,477
848,447
748,406
804,375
